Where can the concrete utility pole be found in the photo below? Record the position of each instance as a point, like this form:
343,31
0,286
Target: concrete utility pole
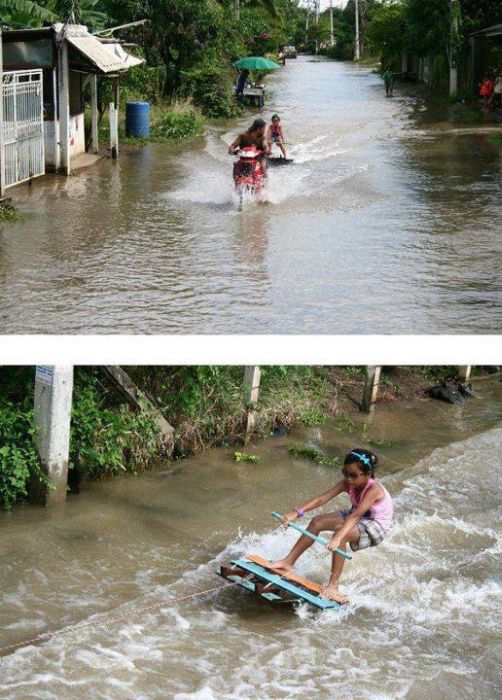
357,49
464,373
307,26
2,147
371,388
237,10
53,401
453,49
252,377
332,37
94,114
64,104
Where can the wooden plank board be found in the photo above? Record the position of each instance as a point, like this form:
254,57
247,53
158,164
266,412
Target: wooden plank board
284,584
289,575
261,589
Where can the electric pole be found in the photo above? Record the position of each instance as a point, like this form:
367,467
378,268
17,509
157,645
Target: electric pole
357,55
332,38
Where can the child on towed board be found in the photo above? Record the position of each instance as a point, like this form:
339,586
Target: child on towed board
366,524
275,134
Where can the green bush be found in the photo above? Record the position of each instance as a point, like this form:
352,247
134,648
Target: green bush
175,126
18,458
107,439
211,90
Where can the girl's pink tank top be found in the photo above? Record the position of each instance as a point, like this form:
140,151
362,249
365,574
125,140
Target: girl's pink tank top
381,511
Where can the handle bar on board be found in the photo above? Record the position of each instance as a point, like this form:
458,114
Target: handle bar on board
316,538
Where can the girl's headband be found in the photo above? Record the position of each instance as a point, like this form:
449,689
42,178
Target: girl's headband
362,458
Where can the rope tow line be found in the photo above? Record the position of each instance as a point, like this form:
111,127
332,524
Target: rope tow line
46,636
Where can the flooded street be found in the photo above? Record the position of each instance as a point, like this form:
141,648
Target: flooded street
387,222
127,558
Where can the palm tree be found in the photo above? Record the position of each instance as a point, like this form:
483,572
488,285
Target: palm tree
22,13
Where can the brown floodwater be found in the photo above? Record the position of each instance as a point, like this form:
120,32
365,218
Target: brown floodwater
387,222
425,612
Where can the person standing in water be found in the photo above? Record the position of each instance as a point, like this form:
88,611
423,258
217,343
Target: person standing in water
241,84
388,78
275,134
366,524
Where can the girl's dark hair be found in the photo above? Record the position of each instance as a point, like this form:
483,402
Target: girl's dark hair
276,116
366,460
257,124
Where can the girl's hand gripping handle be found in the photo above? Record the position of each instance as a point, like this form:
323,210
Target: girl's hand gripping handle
321,540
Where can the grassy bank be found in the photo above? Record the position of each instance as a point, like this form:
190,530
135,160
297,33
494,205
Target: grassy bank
207,406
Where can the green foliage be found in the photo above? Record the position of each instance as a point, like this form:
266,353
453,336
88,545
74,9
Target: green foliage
176,126
24,13
210,88
386,32
246,457
108,439
494,138
207,405
431,29
9,213
317,456
142,82
312,416
18,458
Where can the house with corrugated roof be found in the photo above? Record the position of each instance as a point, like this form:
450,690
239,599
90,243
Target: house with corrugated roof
42,82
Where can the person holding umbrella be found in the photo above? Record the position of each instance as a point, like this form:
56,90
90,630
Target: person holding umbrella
253,63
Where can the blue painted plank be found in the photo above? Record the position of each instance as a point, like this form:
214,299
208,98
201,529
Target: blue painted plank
248,585
280,582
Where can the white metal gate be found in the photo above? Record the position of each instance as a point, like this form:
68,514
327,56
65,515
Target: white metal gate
23,125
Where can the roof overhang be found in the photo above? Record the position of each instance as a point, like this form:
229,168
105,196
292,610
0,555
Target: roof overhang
104,58
107,58
87,52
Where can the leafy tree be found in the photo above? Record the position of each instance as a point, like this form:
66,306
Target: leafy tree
24,13
386,31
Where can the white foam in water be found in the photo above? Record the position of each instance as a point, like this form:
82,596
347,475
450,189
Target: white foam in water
209,174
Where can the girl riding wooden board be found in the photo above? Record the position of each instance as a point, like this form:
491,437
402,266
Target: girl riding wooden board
366,524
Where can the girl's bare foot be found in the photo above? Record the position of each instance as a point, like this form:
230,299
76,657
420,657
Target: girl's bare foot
331,592
282,564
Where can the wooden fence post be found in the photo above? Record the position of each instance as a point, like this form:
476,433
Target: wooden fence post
371,388
252,376
140,402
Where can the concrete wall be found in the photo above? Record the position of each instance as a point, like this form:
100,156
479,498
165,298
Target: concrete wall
77,139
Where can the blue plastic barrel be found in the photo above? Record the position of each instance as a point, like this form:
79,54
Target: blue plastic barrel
137,119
